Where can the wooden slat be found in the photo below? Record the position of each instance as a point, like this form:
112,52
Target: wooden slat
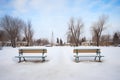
85,50
30,56
33,51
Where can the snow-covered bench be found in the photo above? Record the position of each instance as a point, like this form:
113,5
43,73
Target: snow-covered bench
33,51
82,51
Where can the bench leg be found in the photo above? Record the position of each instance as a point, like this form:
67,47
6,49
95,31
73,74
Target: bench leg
43,59
99,58
95,58
76,59
19,59
24,59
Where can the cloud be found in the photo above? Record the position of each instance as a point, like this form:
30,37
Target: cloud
63,7
56,13
20,5
45,6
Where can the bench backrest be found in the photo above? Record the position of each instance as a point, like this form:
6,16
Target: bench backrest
86,50
32,51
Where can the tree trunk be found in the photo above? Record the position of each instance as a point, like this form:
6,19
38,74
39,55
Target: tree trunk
13,43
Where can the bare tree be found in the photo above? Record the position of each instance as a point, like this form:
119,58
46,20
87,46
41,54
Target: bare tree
119,36
28,32
116,39
118,32
1,37
98,27
105,40
12,26
74,31
41,42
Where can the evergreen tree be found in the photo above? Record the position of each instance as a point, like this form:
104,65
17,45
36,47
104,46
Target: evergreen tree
57,40
61,42
83,39
115,39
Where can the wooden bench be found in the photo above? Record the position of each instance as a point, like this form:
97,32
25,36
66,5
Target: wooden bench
23,51
96,51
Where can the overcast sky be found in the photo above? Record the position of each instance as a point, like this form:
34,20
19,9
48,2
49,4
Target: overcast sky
49,16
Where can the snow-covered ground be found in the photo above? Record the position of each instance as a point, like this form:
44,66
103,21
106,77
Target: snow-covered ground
60,65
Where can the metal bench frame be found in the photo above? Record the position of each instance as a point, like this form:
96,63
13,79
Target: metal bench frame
78,51
22,51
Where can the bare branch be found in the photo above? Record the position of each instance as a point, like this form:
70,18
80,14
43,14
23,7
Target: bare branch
98,27
12,26
28,32
74,31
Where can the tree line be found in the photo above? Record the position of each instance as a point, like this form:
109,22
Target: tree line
14,29
75,30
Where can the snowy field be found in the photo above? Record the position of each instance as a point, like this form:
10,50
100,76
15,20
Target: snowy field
60,65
